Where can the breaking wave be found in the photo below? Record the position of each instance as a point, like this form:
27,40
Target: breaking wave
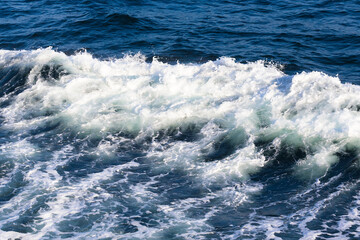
126,147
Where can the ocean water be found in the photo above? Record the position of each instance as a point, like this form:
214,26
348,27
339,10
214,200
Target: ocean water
179,120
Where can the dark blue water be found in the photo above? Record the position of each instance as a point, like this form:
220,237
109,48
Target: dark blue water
307,35
179,120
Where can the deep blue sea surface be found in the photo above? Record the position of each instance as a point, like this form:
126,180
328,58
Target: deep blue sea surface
179,120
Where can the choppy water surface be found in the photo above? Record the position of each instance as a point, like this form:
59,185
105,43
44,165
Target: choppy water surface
182,120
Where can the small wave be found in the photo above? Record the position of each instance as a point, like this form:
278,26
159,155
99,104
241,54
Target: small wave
117,18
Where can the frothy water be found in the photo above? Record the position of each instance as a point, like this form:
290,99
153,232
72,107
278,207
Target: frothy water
132,148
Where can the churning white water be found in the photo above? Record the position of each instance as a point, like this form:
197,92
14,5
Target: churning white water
211,126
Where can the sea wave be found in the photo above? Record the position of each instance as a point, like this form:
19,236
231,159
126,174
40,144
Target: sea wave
218,123
224,108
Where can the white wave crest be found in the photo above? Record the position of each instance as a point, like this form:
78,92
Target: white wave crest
311,111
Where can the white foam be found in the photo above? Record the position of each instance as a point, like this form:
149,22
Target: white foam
269,226
67,199
351,219
224,99
314,111
308,214
134,96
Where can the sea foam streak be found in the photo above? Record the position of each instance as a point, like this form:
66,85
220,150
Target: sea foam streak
217,123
